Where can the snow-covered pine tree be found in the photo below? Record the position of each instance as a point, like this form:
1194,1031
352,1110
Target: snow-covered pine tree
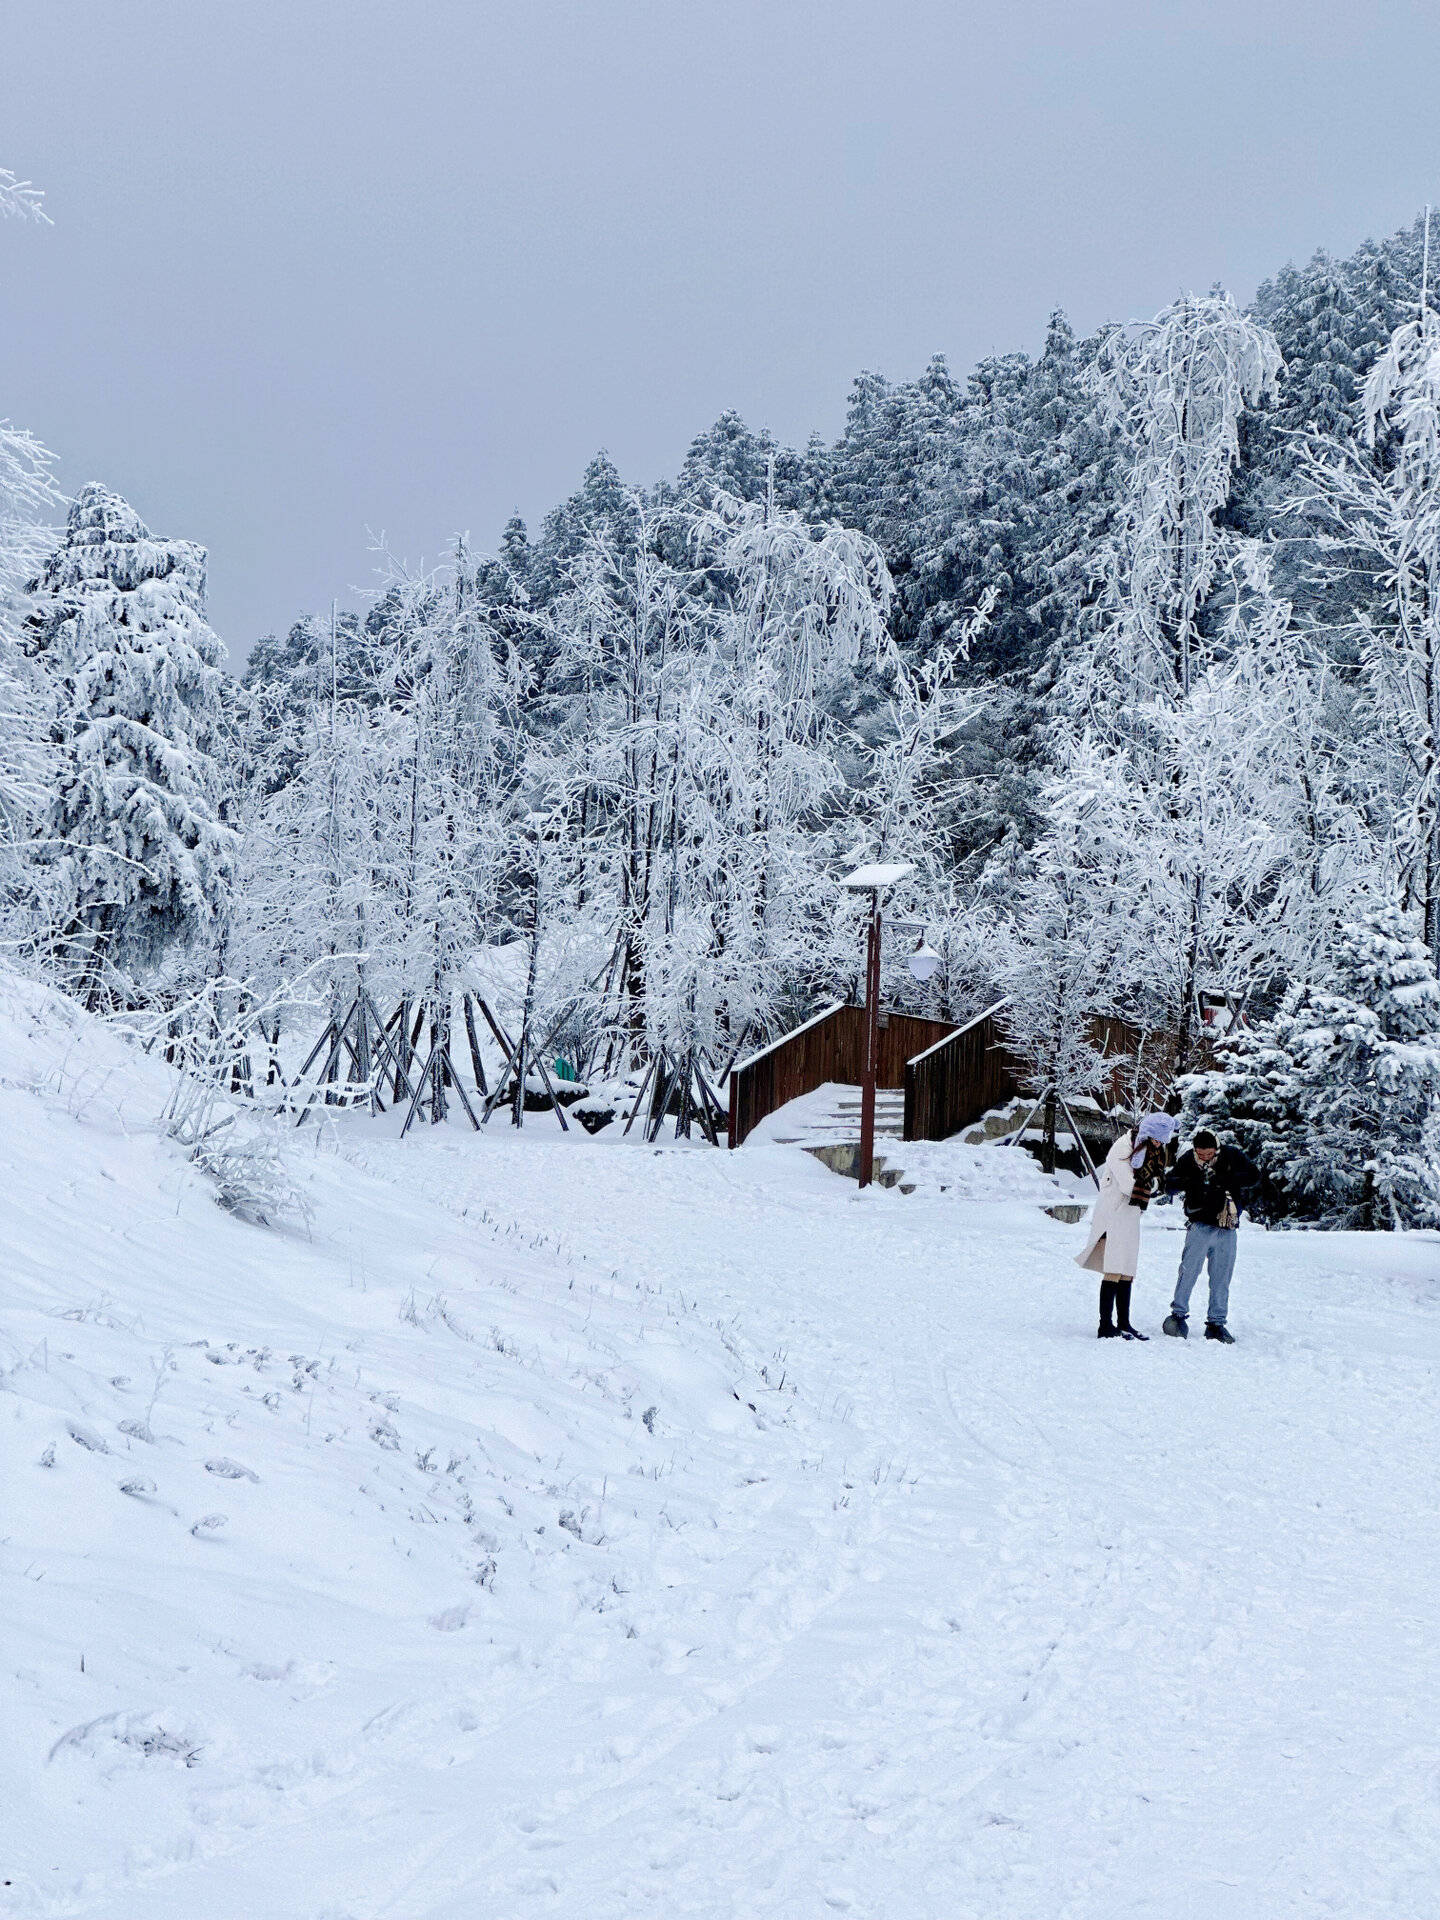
20,200
1026,526
28,495
731,458
350,652
140,862
1337,1096
895,476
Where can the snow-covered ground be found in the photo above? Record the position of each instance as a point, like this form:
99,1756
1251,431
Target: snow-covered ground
571,1527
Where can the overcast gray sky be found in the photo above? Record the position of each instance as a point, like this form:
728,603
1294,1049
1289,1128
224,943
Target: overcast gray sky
320,266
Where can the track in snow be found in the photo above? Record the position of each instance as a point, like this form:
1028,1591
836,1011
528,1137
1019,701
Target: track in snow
974,1616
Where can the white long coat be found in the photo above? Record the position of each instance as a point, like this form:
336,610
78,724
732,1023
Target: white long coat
1112,1242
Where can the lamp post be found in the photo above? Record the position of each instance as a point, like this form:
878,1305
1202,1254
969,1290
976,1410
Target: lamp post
875,880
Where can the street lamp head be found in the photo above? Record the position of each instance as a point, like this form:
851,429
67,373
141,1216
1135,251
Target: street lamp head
924,962
874,879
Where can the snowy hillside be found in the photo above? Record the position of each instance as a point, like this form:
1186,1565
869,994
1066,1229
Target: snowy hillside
567,1527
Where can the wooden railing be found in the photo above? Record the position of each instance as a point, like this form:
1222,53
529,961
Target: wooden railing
792,1065
831,1046
960,1077
951,1075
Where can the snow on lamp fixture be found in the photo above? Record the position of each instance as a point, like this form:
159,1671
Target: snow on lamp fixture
924,962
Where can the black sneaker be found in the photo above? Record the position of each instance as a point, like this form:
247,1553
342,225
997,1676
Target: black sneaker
1212,1332
1176,1327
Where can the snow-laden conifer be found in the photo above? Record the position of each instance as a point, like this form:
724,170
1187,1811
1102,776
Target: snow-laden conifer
21,199
1336,1097
28,497
140,863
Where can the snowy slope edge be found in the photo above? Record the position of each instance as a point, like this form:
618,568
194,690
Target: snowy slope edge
284,1512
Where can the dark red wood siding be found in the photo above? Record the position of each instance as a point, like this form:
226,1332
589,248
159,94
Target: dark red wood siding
829,1047
952,1084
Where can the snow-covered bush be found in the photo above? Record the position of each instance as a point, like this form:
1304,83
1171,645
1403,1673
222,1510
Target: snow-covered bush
250,1173
224,1105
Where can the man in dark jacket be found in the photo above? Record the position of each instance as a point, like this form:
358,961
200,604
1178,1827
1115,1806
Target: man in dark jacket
1215,1182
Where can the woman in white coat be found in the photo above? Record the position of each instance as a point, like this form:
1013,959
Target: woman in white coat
1133,1171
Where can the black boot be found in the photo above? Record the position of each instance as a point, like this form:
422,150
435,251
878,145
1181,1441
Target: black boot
1108,1328
1122,1311
1215,1332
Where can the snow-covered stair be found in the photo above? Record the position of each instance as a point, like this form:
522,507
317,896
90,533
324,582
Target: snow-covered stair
827,1124
889,1113
832,1113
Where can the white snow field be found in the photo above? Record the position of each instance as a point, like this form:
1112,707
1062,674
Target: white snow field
567,1527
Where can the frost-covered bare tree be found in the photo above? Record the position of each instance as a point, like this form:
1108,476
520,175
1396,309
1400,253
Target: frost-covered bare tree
1304,775
458,686
380,831
1378,517
1177,390
702,751
626,634
1205,865
1060,946
800,610
320,859
1152,735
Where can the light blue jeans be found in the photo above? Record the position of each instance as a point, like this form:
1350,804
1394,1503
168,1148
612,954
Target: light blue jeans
1217,1245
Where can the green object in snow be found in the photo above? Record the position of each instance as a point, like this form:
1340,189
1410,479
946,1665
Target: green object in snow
564,1070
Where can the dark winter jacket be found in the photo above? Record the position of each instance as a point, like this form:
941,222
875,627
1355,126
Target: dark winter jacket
1204,1188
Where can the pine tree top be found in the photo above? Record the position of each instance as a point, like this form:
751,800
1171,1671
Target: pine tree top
107,544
